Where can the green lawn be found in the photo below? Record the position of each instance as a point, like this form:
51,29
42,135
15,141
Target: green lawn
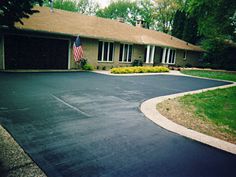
211,74
217,105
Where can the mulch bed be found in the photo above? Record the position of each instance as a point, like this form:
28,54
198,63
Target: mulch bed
181,114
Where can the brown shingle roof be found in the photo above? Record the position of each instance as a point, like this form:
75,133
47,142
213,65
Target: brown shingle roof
99,28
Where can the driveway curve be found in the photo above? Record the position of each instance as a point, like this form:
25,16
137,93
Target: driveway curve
87,124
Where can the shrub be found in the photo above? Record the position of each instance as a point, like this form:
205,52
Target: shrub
188,65
206,65
83,62
139,69
87,67
104,68
137,63
220,54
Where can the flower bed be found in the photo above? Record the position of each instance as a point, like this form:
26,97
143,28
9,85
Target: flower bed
139,69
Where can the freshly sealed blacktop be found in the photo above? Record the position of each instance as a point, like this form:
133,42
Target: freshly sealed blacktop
87,124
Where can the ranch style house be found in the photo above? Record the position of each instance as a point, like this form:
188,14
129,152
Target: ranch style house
45,41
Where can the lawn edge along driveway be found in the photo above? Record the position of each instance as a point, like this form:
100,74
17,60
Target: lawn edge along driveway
148,108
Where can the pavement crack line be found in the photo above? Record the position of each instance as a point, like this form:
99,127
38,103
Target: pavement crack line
70,106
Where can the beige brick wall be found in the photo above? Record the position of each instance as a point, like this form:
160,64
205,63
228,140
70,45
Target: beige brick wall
191,58
90,52
138,52
90,47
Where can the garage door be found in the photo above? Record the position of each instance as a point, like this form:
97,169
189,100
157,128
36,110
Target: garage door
23,52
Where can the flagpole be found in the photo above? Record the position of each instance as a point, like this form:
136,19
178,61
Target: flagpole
51,6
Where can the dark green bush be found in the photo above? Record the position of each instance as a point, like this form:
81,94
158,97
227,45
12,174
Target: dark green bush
87,67
83,62
137,62
188,65
220,54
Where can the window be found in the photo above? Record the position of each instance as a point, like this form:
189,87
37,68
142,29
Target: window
149,54
185,54
125,53
105,51
161,54
169,56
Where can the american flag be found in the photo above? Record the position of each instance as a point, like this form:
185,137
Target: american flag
77,50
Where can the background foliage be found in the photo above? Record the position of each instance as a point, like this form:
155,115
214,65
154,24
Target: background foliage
12,11
88,7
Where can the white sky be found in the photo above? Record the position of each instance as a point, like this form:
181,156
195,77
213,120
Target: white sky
103,3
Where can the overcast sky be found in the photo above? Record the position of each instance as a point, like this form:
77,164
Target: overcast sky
103,3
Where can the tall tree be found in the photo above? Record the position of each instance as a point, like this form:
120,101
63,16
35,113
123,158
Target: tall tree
120,9
68,5
216,23
178,24
88,7
12,11
190,33
185,27
214,17
146,10
164,12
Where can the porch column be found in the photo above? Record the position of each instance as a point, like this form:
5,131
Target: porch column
168,56
152,54
163,56
127,57
123,53
148,53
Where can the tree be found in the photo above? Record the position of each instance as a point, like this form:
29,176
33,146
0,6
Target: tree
88,7
214,17
146,11
185,27
190,33
164,12
68,5
120,9
14,10
178,24
216,23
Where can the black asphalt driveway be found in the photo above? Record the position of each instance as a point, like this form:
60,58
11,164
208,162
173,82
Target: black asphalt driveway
86,124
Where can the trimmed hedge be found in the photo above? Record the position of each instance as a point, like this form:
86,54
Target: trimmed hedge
139,69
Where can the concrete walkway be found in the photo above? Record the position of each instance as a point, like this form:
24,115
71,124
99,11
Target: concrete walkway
149,109
175,73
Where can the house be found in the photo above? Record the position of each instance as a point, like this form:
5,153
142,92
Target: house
45,41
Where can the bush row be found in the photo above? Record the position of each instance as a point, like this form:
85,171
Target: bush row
139,69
